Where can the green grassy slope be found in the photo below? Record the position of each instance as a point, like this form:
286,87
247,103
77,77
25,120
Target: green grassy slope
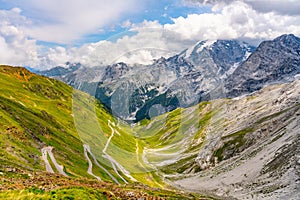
37,112
173,140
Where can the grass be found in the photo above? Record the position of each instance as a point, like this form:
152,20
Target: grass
44,118
43,186
232,143
36,112
83,193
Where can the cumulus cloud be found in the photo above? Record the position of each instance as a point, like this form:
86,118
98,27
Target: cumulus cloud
15,47
143,42
63,21
236,20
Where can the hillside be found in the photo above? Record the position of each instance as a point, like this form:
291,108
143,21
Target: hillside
244,147
40,122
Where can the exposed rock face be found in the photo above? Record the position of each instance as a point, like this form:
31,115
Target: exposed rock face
256,153
273,62
179,81
208,70
115,71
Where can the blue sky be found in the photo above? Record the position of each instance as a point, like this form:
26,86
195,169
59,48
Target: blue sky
160,10
46,33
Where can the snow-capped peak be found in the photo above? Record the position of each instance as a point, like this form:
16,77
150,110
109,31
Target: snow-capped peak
198,47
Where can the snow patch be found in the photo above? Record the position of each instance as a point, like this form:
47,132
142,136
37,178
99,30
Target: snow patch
190,50
208,43
246,56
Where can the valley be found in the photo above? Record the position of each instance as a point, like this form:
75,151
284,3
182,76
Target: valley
150,126
38,134
149,100
207,148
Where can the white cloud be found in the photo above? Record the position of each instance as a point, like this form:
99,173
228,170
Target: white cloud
15,47
237,20
63,21
233,20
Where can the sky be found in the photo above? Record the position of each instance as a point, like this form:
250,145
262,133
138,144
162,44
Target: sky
46,33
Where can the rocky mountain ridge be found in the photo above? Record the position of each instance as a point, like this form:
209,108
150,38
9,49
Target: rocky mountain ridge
208,70
275,61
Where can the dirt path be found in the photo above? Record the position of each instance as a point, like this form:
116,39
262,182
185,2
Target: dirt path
100,166
90,168
45,158
114,163
59,168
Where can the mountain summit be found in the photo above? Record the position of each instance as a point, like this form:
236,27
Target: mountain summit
275,61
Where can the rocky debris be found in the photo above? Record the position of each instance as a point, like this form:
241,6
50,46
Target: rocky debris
256,149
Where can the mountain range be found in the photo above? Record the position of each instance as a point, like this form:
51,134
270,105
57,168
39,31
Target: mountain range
220,120
208,70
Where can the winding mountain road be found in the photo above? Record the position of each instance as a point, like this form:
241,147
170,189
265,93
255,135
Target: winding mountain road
48,150
88,150
90,168
114,163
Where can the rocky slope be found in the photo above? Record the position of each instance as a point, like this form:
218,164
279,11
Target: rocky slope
273,61
251,148
242,148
